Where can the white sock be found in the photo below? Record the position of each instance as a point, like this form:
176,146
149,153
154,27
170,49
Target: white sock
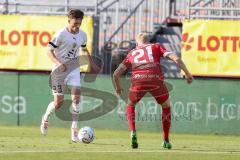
49,110
75,114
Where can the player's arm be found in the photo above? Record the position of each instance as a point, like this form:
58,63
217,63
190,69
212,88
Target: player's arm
116,76
93,65
52,45
54,59
85,51
181,65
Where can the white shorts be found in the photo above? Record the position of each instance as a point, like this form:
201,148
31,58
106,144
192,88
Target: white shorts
62,82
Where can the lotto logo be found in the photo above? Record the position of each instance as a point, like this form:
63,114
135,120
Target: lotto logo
211,43
186,42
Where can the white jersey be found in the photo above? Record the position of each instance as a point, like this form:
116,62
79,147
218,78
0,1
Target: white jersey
66,45
66,49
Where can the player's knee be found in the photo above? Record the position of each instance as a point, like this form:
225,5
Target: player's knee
165,104
130,103
76,100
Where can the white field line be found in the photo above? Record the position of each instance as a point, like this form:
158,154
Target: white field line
130,151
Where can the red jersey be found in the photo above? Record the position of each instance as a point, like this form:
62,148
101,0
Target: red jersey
145,62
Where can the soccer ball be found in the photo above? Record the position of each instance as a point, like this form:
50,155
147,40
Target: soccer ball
86,135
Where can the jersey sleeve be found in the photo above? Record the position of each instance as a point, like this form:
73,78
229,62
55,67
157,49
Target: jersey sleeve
84,42
56,41
163,51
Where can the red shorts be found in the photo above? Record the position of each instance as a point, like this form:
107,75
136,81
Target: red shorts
157,89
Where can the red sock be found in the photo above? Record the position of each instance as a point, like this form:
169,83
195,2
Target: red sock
166,122
130,111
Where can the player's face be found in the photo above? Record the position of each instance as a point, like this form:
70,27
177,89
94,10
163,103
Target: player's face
74,24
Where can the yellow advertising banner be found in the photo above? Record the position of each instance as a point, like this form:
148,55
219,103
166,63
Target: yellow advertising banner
24,39
212,47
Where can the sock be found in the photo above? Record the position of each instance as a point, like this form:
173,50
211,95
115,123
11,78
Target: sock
166,122
75,114
130,111
49,110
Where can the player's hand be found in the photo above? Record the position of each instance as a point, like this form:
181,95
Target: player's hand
189,78
62,68
119,91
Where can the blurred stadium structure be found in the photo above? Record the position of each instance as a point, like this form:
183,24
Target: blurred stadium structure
116,22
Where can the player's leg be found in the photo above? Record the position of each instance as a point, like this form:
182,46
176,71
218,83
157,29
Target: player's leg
75,93
58,87
130,113
73,83
161,95
166,123
134,96
57,103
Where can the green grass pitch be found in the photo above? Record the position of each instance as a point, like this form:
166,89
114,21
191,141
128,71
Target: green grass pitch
26,143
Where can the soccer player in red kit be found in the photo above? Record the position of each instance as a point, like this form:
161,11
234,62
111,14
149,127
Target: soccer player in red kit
148,77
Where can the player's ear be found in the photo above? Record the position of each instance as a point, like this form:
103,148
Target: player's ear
68,20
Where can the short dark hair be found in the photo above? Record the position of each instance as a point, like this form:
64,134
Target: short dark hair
75,14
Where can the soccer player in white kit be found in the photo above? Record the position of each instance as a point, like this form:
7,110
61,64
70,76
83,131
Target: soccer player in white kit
63,52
